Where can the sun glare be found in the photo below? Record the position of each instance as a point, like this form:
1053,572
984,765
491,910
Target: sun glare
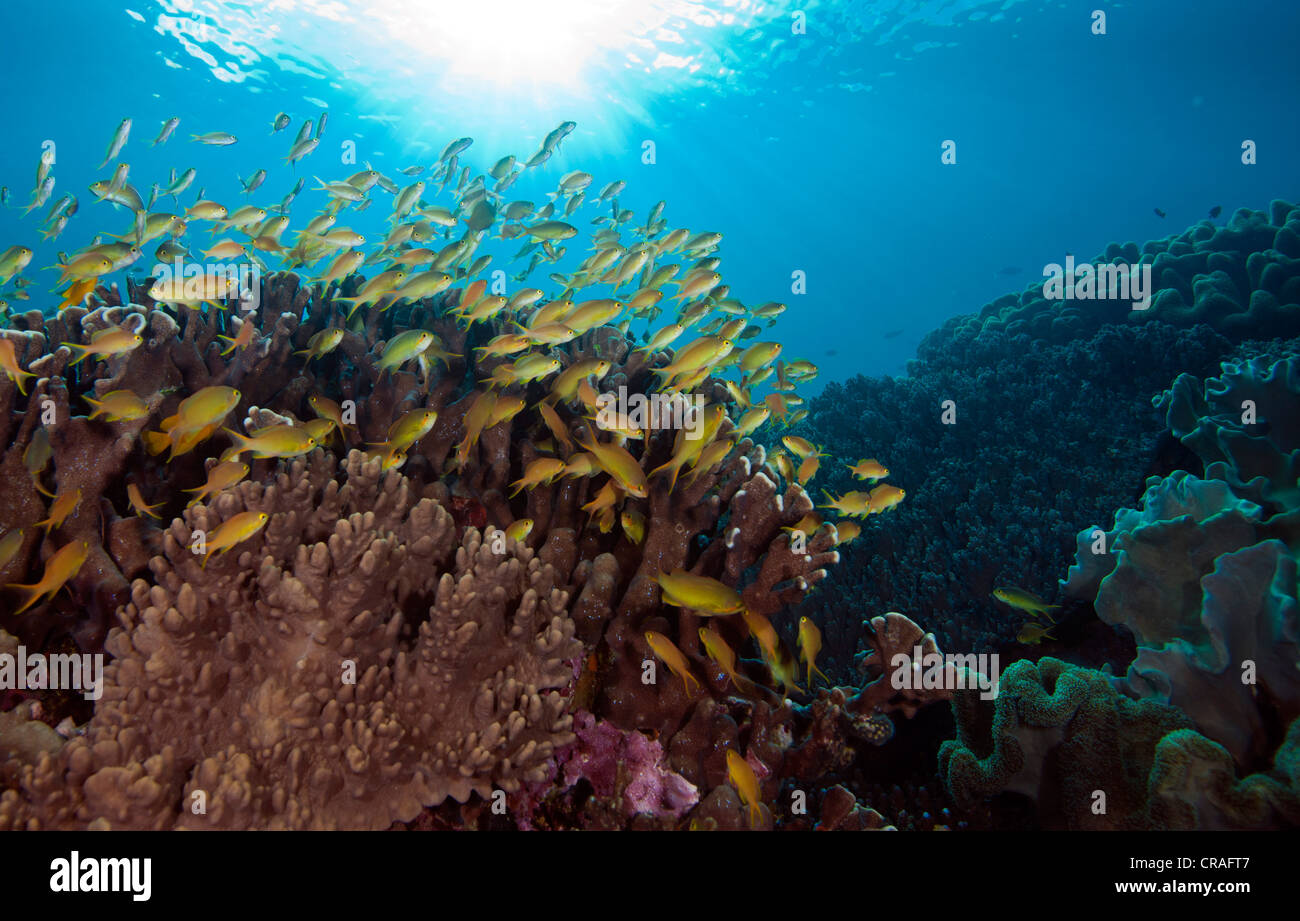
516,41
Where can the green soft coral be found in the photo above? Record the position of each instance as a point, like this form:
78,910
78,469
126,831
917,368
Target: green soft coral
1058,734
1061,735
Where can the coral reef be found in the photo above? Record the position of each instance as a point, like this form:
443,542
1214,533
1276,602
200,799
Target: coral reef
284,686
1091,759
377,644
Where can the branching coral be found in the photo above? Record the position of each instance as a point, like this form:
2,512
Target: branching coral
276,687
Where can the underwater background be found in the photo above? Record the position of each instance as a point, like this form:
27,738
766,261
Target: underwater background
939,457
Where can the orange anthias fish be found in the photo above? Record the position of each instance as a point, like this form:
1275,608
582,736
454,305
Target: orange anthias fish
699,593
63,505
883,498
723,654
745,782
869,469
9,364
59,569
232,532
673,657
810,643
241,339
1023,600
1031,634
138,503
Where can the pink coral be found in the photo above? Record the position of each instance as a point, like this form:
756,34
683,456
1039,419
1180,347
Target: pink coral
609,757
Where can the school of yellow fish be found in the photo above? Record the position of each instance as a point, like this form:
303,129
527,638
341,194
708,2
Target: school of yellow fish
428,249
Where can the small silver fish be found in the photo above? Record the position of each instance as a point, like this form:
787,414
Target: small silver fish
168,127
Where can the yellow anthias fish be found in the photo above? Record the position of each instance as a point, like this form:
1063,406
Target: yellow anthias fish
605,500
37,456
663,338
758,355
745,782
403,348
633,523
106,342
1031,634
59,569
520,529
565,386
550,312
207,406
9,363
846,532
854,503
699,593
485,309
528,368
138,503
810,643
10,544
232,532
409,428
321,344
673,657
801,447
580,465
64,504
807,469
276,441
883,498
709,458
210,288
506,408
75,293
118,406
1023,600
221,476
505,344
785,670
725,657
590,314
320,429
761,629
241,339
196,419
540,472
325,408
12,261
374,290
869,469
700,354
556,425
619,464
474,422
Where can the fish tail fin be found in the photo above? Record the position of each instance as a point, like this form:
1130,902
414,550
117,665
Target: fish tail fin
19,378
241,441
33,594
80,351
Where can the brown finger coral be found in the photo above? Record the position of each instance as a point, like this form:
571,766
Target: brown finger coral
349,664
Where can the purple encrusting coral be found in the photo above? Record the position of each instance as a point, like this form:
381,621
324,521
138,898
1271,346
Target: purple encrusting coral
615,760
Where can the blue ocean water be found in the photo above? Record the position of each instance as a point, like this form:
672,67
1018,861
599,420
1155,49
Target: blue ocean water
809,134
